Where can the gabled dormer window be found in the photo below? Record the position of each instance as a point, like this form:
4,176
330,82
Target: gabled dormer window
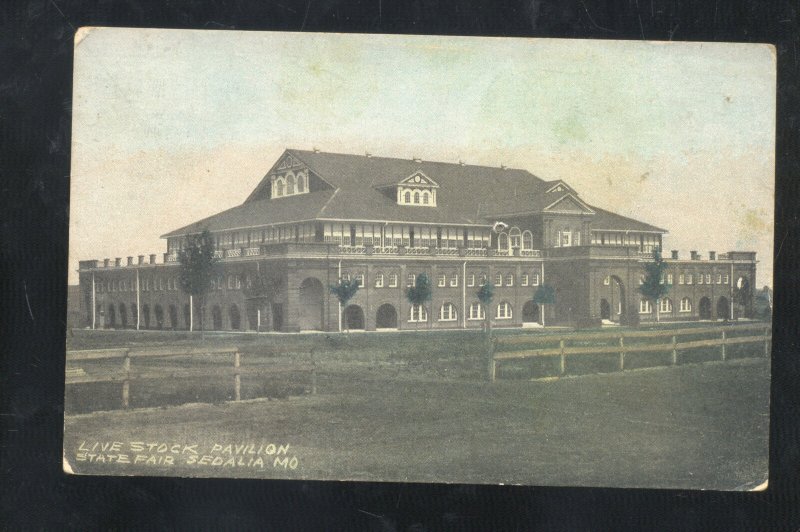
289,183
417,189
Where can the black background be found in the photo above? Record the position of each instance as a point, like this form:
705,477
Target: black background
35,92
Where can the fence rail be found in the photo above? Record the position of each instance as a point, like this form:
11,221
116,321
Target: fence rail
123,373
619,346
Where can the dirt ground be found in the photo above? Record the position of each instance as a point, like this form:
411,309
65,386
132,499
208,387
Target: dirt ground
691,426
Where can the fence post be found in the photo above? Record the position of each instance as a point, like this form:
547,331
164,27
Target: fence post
126,384
563,367
674,350
237,378
766,341
492,362
621,353
313,373
723,345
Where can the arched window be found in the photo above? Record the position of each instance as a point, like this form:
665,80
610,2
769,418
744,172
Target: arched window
379,280
686,305
392,280
502,241
418,314
645,307
516,237
407,197
290,185
527,240
301,183
665,305
504,311
425,198
416,198
447,312
476,311
279,188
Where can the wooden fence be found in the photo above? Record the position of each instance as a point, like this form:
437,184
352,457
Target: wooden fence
125,371
722,339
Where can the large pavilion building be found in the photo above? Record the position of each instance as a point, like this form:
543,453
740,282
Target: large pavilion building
319,217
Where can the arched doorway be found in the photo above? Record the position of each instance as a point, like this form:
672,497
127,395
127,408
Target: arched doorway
146,316
723,309
311,304
386,317
605,309
159,317
236,318
530,312
112,316
617,308
123,315
216,318
173,317
704,309
353,317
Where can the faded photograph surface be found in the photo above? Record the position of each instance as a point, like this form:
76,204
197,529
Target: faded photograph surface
420,258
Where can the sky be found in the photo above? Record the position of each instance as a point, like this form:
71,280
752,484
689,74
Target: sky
170,126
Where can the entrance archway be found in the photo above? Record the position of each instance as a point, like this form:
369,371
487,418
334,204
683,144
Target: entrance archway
530,312
146,315
173,317
159,316
112,316
354,317
386,317
704,309
605,309
236,318
616,303
216,318
723,308
123,316
311,304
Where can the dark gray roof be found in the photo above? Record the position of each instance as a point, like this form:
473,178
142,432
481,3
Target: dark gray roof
467,194
608,220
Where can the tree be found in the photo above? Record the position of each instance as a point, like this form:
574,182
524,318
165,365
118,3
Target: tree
653,288
743,295
485,295
421,292
198,265
344,291
545,295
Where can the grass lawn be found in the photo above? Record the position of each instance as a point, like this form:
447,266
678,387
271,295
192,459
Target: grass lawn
691,426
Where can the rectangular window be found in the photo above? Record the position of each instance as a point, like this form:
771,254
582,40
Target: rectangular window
442,280
708,278
689,278
476,312
503,311
719,278
411,279
379,280
665,305
471,281
680,279
418,314
524,280
498,279
535,281
454,280
566,239
510,279
392,280
644,307
577,238
360,279
700,279
669,278
346,277
727,279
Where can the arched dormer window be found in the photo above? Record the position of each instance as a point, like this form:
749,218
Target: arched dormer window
425,198
407,197
290,185
515,236
416,198
301,183
527,240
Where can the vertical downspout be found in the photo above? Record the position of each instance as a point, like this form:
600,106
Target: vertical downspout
94,305
339,273
730,292
138,305
541,284
464,295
